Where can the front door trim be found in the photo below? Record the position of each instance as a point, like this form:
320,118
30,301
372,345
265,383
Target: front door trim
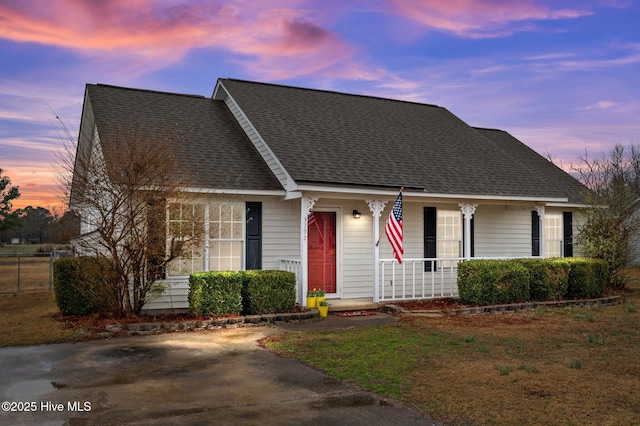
338,211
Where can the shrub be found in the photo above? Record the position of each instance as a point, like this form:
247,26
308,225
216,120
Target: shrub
487,282
587,277
549,278
268,292
84,285
215,293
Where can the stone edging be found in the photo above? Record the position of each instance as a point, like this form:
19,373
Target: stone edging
515,307
146,328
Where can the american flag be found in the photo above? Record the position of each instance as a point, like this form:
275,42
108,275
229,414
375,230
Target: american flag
311,220
393,228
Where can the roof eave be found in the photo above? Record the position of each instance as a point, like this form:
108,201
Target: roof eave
417,194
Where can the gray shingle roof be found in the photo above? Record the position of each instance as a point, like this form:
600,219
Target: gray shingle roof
342,139
211,150
330,138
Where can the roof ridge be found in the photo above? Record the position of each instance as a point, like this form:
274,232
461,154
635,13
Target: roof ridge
288,86
147,90
488,128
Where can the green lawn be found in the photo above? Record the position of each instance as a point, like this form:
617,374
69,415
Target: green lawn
574,366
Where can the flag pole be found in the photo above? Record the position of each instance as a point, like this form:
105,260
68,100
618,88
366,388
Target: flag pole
380,235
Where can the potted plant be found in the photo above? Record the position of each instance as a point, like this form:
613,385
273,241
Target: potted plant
323,308
320,296
311,298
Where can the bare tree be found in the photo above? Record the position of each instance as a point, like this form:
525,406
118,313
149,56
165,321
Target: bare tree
122,189
612,221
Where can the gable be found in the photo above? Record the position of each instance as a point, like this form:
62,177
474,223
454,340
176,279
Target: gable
331,138
211,150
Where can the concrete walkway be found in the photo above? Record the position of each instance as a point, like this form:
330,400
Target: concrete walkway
215,377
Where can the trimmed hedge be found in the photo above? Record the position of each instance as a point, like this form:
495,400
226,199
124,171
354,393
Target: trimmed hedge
268,292
488,282
215,293
83,285
549,278
587,278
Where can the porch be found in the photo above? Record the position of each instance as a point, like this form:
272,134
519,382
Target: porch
414,279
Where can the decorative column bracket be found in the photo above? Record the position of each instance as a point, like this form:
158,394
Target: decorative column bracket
307,204
468,210
376,207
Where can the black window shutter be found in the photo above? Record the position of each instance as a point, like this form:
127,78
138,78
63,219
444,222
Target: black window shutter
254,235
430,222
567,227
473,232
535,233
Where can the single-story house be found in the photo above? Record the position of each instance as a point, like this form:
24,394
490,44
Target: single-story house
304,180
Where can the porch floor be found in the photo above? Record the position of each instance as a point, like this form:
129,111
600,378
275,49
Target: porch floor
364,303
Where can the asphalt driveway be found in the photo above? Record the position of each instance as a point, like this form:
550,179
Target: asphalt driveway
219,377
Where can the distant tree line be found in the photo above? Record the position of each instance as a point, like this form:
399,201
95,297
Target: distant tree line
37,225
33,225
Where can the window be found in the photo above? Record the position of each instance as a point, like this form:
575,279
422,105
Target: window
185,226
553,234
449,234
222,225
226,236
443,235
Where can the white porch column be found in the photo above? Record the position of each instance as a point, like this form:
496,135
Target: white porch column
306,204
543,251
376,207
467,213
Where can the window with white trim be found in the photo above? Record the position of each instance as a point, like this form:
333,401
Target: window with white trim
185,224
222,225
449,234
553,234
226,236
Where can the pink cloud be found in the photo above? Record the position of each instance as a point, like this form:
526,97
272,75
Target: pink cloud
278,42
288,44
479,18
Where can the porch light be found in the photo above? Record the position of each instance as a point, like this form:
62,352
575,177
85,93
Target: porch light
356,214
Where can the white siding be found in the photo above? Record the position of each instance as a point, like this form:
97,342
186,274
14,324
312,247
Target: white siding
356,251
502,231
174,296
280,230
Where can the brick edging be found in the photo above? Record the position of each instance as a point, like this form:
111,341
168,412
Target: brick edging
145,328
516,307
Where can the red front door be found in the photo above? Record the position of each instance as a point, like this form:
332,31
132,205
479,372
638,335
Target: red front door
322,251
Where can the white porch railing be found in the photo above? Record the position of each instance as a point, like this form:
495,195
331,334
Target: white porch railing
406,281
410,280
293,265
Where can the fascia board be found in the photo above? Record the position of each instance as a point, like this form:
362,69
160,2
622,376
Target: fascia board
261,145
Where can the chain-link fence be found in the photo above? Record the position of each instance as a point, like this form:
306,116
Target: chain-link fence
27,271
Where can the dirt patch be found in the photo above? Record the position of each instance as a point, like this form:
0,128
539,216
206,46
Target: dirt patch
443,304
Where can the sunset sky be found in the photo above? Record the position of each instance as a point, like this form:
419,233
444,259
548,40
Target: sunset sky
560,75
